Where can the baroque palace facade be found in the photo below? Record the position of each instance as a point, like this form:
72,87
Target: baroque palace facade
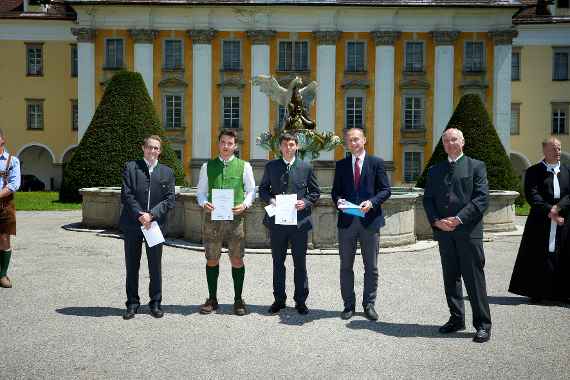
395,68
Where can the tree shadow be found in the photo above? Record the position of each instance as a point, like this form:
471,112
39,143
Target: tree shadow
520,300
405,330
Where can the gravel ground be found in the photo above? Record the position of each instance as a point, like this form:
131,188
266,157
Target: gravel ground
63,319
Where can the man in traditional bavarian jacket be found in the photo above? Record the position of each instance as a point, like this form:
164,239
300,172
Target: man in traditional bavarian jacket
225,172
9,183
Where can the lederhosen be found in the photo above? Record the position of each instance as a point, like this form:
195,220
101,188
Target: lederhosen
7,207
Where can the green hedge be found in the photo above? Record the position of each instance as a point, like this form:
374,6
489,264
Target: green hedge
481,142
124,117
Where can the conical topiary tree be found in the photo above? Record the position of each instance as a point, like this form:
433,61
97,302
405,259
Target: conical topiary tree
124,117
481,143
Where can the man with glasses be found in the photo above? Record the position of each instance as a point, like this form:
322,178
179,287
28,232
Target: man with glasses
456,196
290,175
147,195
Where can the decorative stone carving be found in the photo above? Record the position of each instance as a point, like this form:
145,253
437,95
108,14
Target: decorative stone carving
444,37
232,83
504,36
360,84
260,37
414,83
202,36
172,82
84,34
385,37
327,37
143,36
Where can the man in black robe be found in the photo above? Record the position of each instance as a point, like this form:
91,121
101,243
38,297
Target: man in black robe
542,269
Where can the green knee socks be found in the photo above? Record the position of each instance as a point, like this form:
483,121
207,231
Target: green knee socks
212,277
237,275
4,262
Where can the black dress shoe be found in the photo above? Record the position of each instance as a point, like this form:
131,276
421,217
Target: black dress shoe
302,309
130,312
156,312
452,326
276,307
370,313
482,336
347,313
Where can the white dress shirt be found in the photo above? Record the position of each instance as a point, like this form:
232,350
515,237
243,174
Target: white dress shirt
248,181
361,160
13,175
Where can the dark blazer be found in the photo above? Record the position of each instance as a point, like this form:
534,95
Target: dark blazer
374,186
463,192
134,193
304,184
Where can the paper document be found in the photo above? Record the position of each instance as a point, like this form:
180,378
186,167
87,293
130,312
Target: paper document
153,235
223,201
270,209
285,211
351,209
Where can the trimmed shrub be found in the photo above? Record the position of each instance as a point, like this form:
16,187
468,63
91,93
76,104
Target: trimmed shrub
481,143
124,117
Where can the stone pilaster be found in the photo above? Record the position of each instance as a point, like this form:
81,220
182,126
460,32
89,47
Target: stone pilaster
260,37
503,36
385,37
84,34
202,36
327,37
444,37
143,36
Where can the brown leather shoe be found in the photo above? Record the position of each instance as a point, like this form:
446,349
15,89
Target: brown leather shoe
239,308
209,306
5,282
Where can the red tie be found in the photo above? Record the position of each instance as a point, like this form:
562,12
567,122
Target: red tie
356,174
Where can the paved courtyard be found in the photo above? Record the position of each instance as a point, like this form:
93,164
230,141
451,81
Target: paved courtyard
63,319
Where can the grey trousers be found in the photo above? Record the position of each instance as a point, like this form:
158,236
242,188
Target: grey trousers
347,239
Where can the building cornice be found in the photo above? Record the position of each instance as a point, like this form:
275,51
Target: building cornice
385,37
445,37
202,36
327,37
503,36
260,37
143,35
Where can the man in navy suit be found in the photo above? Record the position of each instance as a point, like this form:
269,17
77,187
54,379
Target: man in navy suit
289,175
359,179
147,195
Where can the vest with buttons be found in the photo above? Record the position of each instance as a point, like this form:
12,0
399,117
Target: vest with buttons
228,176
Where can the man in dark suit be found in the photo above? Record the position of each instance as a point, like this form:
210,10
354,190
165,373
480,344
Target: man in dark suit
359,179
289,175
456,196
147,195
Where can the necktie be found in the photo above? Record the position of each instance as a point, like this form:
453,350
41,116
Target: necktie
357,174
556,191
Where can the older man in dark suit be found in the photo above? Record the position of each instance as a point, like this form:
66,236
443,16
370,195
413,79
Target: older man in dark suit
359,179
456,196
290,175
147,195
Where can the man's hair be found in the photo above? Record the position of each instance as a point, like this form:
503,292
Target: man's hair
357,128
153,137
457,132
227,132
286,136
550,140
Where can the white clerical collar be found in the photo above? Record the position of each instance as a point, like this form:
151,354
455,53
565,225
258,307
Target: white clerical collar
361,157
4,155
150,166
228,160
555,168
290,162
457,159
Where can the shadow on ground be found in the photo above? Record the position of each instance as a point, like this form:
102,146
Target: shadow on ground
405,330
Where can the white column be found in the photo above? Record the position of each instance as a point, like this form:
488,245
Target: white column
259,111
85,78
201,93
443,87
502,85
384,94
326,75
144,39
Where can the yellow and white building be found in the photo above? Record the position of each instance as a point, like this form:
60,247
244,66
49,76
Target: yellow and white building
541,81
395,67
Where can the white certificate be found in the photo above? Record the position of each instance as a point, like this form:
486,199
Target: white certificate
270,209
153,235
285,211
223,201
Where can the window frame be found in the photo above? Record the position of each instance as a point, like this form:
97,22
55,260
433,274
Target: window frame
422,109
561,107
356,69
423,57
293,66
74,58
469,68
74,115
177,65
515,109
354,95
165,111
516,74
114,65
29,121
39,70
232,96
560,50
405,166
230,66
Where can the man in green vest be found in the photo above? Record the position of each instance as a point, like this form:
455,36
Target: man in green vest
225,172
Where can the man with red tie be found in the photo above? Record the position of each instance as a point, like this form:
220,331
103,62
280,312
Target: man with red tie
359,179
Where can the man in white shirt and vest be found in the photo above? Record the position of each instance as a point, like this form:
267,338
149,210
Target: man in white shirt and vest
225,172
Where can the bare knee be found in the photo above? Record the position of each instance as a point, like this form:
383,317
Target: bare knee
237,262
